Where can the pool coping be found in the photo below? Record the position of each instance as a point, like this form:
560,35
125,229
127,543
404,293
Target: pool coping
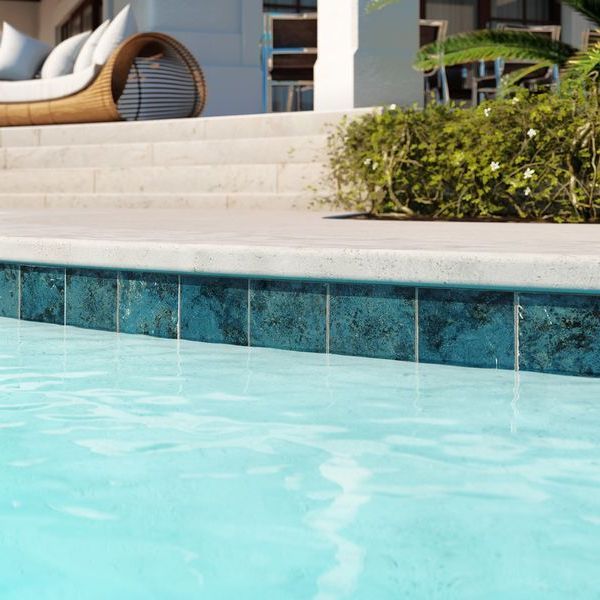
489,270
308,245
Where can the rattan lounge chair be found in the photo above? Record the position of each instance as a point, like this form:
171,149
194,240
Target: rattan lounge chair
150,76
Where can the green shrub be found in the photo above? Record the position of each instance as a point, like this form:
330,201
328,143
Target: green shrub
529,157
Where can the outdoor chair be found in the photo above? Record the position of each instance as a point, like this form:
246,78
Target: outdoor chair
436,81
486,85
590,38
148,76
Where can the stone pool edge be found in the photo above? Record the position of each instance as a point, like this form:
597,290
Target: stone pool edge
514,271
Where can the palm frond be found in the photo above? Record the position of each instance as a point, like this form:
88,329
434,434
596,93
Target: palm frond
492,44
588,8
513,78
583,64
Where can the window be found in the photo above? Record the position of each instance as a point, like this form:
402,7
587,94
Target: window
87,16
293,6
525,12
460,14
466,15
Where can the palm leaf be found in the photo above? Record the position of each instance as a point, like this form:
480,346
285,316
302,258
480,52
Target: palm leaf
379,4
584,63
492,44
513,78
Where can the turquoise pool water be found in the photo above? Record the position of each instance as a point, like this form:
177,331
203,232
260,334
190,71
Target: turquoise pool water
134,468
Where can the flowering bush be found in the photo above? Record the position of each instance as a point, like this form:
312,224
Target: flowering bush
529,157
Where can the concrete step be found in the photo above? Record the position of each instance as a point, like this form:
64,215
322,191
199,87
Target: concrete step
223,179
212,128
298,149
280,201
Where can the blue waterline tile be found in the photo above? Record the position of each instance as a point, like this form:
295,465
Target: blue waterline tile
214,310
148,304
43,294
376,321
467,328
559,333
92,299
288,315
9,291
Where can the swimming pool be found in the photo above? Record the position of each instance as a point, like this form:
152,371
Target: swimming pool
137,467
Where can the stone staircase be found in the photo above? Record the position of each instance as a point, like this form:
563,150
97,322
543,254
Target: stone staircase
257,161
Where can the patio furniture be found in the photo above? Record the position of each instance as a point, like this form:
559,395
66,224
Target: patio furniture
436,81
486,85
149,76
589,38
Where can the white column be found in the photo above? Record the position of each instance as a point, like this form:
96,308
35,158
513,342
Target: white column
573,25
365,59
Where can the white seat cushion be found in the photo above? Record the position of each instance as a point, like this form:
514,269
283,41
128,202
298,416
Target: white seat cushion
61,60
36,90
86,56
122,27
20,55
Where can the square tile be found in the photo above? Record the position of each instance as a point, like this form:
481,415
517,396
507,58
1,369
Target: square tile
289,315
469,328
214,310
9,291
43,294
92,299
376,321
559,333
148,304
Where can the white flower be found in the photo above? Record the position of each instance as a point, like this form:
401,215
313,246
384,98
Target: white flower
494,166
393,106
375,165
367,162
529,173
487,111
516,100
532,133
528,191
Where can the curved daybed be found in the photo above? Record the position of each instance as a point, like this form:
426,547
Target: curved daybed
149,76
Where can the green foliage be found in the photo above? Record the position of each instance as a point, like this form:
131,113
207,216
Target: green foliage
584,64
490,44
529,157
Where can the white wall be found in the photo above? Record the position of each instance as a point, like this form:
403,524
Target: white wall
366,59
52,13
22,15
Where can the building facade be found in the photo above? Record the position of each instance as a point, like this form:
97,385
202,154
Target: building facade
364,59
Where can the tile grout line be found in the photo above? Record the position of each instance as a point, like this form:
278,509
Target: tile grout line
65,297
19,294
517,302
417,326
118,304
179,307
248,313
328,318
